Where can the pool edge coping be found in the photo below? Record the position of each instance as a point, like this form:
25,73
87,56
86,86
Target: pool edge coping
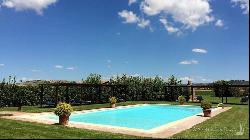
154,132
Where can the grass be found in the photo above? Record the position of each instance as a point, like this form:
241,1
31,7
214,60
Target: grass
224,125
210,96
37,109
10,129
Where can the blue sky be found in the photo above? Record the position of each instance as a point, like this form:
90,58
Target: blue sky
61,39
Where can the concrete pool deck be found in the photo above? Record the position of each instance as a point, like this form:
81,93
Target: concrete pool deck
163,131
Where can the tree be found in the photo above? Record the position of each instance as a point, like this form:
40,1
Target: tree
222,89
174,91
93,79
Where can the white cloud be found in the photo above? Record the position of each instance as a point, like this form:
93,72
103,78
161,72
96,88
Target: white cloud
58,66
169,27
219,23
20,5
131,17
186,78
244,5
1,65
105,78
197,79
70,68
143,23
204,79
189,62
128,16
190,13
109,61
135,75
35,70
130,2
199,50
25,79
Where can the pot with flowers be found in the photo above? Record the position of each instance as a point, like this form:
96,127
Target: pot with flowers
206,106
181,100
63,110
112,101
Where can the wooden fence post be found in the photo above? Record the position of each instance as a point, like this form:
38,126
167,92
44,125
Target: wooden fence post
56,100
41,96
192,92
67,95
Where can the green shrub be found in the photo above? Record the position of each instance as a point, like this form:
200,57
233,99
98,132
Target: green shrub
206,105
220,105
181,99
63,109
199,98
112,100
222,88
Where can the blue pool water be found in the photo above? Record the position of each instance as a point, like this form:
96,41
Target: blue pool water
140,117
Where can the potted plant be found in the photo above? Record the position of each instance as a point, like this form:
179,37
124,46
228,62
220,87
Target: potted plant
220,105
112,101
63,110
181,99
206,106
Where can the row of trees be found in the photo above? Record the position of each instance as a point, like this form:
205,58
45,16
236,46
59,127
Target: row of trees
222,89
138,88
13,95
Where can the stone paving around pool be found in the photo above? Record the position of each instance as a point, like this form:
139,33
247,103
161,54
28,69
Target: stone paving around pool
159,132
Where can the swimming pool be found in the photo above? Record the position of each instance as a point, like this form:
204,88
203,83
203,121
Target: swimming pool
143,117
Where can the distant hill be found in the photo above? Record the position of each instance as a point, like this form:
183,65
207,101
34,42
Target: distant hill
239,82
232,82
37,82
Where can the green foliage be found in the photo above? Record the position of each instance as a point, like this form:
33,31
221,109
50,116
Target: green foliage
16,95
112,100
206,105
93,79
220,105
63,109
173,81
181,99
138,88
199,98
221,88
141,88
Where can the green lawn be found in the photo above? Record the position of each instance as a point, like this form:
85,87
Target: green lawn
210,96
10,129
224,125
37,109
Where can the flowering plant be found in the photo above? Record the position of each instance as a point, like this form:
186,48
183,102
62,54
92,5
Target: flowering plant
63,109
112,100
181,99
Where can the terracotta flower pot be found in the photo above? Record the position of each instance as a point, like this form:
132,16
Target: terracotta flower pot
64,120
207,112
181,103
112,105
